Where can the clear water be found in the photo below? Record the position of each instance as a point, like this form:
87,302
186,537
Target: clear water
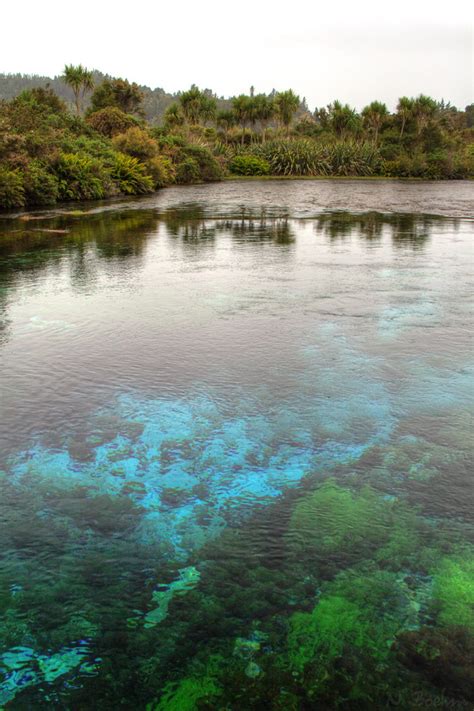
236,449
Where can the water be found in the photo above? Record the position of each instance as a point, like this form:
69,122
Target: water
236,450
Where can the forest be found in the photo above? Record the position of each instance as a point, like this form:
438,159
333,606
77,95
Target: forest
88,136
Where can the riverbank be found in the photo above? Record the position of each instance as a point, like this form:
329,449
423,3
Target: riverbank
49,156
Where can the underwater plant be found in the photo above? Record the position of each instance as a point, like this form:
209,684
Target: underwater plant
454,590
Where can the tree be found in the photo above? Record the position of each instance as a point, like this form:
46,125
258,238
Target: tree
173,116
226,119
342,119
80,80
242,108
119,93
373,116
264,110
404,111
196,105
424,108
469,112
286,105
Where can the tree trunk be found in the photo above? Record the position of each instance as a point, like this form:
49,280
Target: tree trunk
403,126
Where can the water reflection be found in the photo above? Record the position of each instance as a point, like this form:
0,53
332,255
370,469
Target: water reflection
405,230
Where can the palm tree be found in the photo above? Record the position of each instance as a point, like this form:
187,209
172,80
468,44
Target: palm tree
404,110
286,105
264,111
80,80
173,115
226,119
196,105
343,119
424,108
374,115
242,108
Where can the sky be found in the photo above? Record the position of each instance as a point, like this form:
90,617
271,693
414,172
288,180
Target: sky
355,51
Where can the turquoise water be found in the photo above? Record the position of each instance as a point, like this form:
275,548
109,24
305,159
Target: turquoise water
236,452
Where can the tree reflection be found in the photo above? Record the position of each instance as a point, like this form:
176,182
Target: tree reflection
406,230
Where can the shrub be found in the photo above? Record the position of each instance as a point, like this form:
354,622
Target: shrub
111,121
130,175
209,168
80,177
45,98
12,192
161,170
297,157
41,186
249,165
187,171
353,158
136,142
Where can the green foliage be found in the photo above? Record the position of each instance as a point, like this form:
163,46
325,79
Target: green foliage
286,104
296,157
130,175
136,142
161,170
174,116
187,171
374,116
118,93
80,80
111,121
249,165
351,157
209,168
41,186
197,105
454,590
45,98
12,192
80,177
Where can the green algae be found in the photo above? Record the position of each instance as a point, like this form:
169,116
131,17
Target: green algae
333,519
185,694
358,611
454,590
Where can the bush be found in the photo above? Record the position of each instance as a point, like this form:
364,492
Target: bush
41,186
111,121
161,170
297,157
12,192
130,176
249,165
81,177
209,168
353,158
136,142
187,171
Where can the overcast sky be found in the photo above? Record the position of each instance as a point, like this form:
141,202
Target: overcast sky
355,51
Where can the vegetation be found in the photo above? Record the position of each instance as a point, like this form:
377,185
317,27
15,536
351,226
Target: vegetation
106,147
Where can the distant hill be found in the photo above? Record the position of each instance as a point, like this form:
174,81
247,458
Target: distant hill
154,104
